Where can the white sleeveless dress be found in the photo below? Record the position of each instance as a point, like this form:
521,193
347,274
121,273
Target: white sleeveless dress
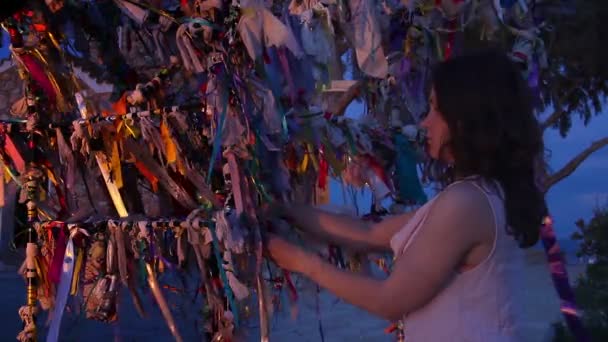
482,304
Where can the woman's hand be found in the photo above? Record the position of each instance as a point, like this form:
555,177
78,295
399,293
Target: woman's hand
273,211
287,255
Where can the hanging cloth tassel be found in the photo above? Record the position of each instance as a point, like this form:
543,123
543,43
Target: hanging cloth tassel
187,52
67,159
162,303
224,278
259,28
138,14
116,230
160,45
65,284
367,39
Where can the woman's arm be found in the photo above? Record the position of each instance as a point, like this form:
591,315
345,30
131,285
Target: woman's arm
458,221
347,231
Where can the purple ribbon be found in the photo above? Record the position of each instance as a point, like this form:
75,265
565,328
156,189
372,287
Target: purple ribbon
559,276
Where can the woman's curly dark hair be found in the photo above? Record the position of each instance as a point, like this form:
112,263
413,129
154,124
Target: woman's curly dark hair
494,132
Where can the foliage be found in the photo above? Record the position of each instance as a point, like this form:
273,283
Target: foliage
592,287
575,82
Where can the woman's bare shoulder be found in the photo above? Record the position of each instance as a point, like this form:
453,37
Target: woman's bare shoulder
465,201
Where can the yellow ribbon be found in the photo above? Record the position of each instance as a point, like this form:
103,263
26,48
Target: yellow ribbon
42,193
105,167
76,275
41,275
313,157
131,131
248,11
54,41
51,176
304,164
170,148
10,174
44,214
116,167
128,128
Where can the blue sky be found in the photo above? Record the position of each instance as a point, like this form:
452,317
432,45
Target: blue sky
573,198
587,188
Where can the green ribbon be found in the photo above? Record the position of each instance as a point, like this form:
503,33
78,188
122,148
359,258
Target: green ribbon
254,167
220,266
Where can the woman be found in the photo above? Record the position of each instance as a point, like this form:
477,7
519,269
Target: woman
458,259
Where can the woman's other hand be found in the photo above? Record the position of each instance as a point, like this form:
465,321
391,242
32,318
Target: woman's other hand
287,255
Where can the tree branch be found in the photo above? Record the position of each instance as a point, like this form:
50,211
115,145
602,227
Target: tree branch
552,119
574,163
559,111
346,98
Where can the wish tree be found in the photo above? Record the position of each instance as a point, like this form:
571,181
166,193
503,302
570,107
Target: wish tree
150,134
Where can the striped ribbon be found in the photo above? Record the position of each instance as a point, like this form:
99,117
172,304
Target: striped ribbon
559,276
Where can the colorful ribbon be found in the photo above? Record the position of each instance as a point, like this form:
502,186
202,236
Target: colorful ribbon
409,186
219,259
65,285
217,142
559,276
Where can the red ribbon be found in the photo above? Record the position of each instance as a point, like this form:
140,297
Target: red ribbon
39,76
13,153
58,253
148,175
323,170
16,37
293,293
375,166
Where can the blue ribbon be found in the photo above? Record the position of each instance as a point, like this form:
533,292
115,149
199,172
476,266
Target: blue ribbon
409,183
203,22
217,141
273,75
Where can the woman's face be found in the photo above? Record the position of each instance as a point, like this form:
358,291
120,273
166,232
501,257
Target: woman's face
437,132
